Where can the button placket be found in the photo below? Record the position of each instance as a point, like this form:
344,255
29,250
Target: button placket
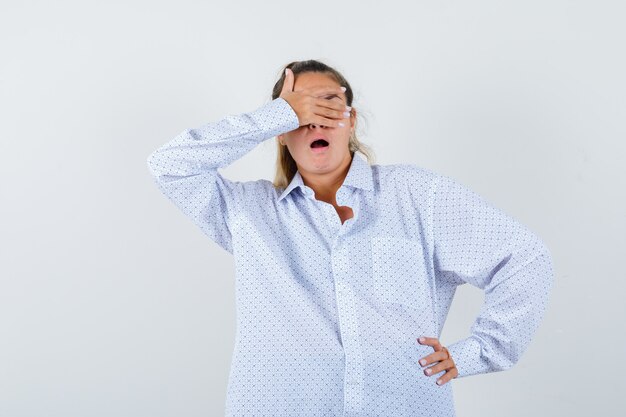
349,329
353,378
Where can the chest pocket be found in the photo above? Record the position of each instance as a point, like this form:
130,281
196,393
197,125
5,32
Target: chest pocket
398,272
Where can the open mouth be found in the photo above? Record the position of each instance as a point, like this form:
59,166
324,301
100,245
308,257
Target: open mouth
319,143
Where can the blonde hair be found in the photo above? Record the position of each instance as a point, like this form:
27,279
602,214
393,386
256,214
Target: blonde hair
286,166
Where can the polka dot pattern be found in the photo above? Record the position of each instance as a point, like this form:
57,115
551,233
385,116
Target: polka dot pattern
328,313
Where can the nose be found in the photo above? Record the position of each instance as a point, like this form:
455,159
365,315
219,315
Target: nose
313,125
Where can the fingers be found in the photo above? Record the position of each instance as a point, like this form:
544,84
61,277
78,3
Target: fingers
430,341
443,365
321,121
323,90
313,91
433,357
439,366
288,83
311,108
330,110
331,104
330,114
441,360
451,371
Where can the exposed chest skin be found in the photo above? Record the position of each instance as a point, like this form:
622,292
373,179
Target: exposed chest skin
344,212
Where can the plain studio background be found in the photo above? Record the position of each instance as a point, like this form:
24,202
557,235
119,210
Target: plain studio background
112,303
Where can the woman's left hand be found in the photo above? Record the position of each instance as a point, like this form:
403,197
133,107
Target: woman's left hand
441,356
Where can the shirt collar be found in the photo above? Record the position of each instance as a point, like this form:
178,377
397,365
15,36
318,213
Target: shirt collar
359,176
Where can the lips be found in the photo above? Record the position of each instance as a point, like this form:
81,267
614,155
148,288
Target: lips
319,146
319,143
318,137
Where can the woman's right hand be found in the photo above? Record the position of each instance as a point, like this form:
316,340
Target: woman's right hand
308,105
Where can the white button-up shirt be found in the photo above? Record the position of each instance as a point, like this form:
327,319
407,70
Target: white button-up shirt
328,314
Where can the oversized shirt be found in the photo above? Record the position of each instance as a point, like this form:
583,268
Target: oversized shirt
328,313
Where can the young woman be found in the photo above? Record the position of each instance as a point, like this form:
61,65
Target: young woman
345,270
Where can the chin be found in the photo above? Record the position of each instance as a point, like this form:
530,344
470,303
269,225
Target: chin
321,163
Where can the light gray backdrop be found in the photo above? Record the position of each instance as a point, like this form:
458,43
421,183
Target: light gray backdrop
112,303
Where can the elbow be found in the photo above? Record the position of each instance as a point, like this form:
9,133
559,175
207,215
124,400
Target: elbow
157,165
150,164
539,264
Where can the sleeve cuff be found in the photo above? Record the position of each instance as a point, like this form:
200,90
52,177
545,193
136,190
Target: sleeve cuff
467,357
276,117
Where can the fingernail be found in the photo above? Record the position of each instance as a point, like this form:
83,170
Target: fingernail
346,114
341,124
429,371
439,382
348,108
423,362
343,89
421,339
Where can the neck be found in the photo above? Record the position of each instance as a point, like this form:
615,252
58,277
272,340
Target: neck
326,185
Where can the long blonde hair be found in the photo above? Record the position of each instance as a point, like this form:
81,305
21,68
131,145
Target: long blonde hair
286,166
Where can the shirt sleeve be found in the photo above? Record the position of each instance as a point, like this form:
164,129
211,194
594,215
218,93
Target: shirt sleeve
185,168
477,243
